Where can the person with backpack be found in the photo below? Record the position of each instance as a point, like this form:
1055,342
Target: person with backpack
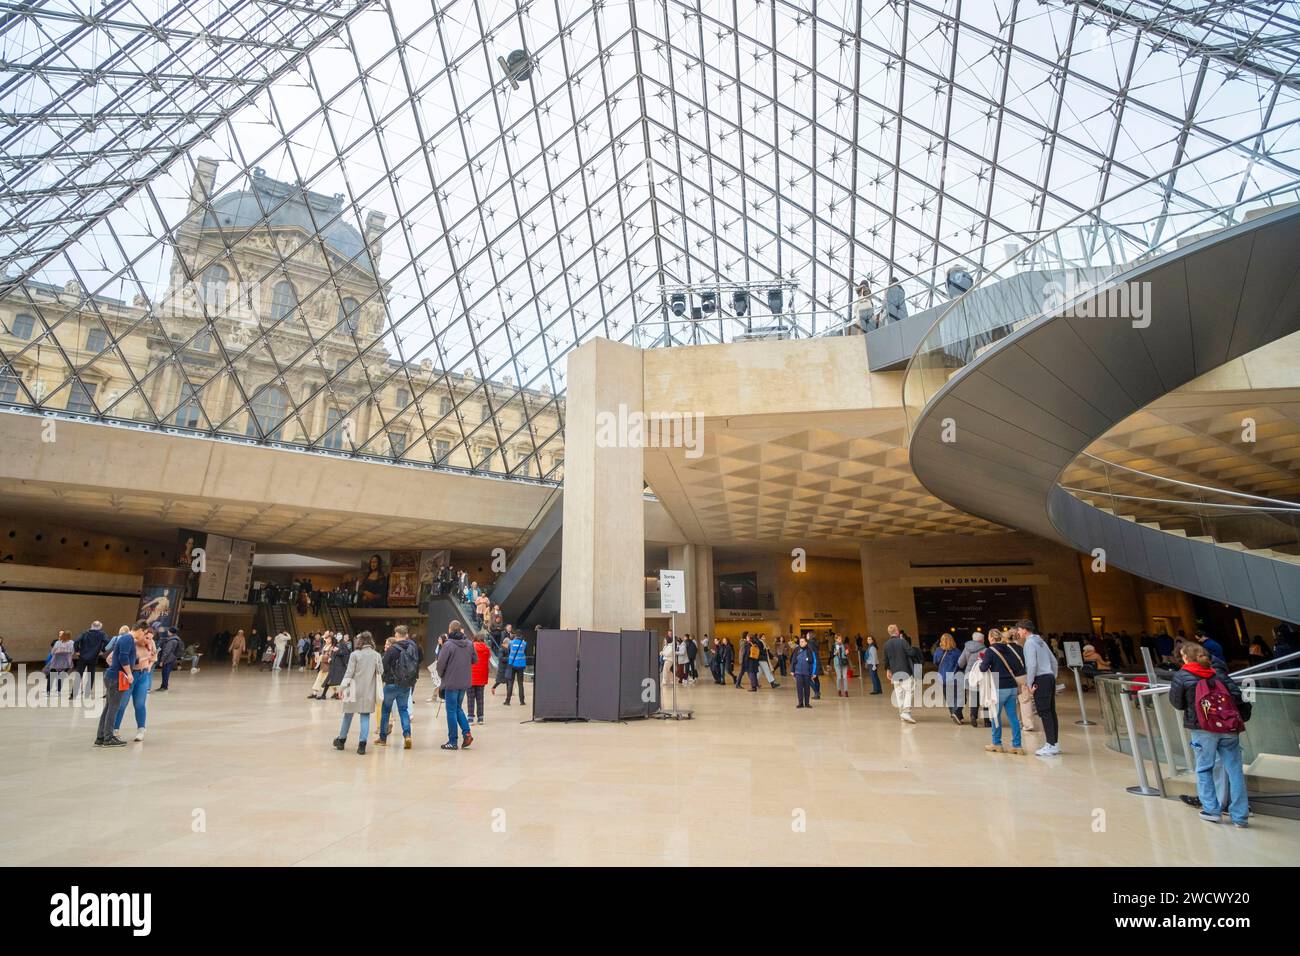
1005,660
401,670
803,665
478,679
749,663
518,661
898,668
765,662
1216,714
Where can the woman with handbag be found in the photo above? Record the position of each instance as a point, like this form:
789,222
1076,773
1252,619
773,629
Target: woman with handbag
1007,663
358,690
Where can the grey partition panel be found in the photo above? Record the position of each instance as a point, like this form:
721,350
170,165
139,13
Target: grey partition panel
555,675
639,665
599,659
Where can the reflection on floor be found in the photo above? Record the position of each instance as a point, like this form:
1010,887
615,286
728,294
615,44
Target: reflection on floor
238,769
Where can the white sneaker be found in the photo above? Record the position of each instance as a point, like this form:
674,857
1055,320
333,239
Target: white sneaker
1044,751
139,735
908,718
1056,750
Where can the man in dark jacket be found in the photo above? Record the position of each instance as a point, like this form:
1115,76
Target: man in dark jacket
87,648
169,652
1220,781
455,668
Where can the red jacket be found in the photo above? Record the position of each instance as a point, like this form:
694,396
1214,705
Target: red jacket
479,671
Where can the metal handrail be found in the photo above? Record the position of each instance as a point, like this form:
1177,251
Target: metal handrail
1278,502
1254,509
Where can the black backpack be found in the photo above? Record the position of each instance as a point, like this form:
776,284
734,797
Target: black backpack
406,668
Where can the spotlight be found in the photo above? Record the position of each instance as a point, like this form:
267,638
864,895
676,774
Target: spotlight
775,301
709,302
677,302
740,302
518,66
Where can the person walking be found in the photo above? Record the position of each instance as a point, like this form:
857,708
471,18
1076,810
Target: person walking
841,660
117,683
946,656
503,659
803,665
455,670
169,653
338,666
782,651
873,664
726,661
1004,659
141,680
692,650
518,667
358,690
281,650
238,644
898,668
401,668
1040,671
968,663
765,663
59,668
478,679
88,646
1215,712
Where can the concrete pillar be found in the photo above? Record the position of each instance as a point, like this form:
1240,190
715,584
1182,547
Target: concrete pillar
704,590
603,562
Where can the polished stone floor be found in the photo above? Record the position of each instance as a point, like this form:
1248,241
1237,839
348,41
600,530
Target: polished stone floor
238,769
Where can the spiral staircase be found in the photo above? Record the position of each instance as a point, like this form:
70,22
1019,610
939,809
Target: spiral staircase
1021,374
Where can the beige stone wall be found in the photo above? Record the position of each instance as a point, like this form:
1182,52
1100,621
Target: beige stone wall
32,540
829,586
887,563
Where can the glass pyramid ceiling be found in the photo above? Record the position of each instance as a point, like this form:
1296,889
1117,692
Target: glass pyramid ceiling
378,228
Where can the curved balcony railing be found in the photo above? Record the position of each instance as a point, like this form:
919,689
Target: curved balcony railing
1058,272
1228,518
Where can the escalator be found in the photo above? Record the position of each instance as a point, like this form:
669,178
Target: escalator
529,589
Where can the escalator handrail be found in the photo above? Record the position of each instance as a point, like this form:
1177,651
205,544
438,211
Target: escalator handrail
1270,503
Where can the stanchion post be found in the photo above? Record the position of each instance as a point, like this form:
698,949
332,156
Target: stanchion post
1083,711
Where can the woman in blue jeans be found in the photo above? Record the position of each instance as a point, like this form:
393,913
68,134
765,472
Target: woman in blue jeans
138,695
873,657
1211,747
1007,661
